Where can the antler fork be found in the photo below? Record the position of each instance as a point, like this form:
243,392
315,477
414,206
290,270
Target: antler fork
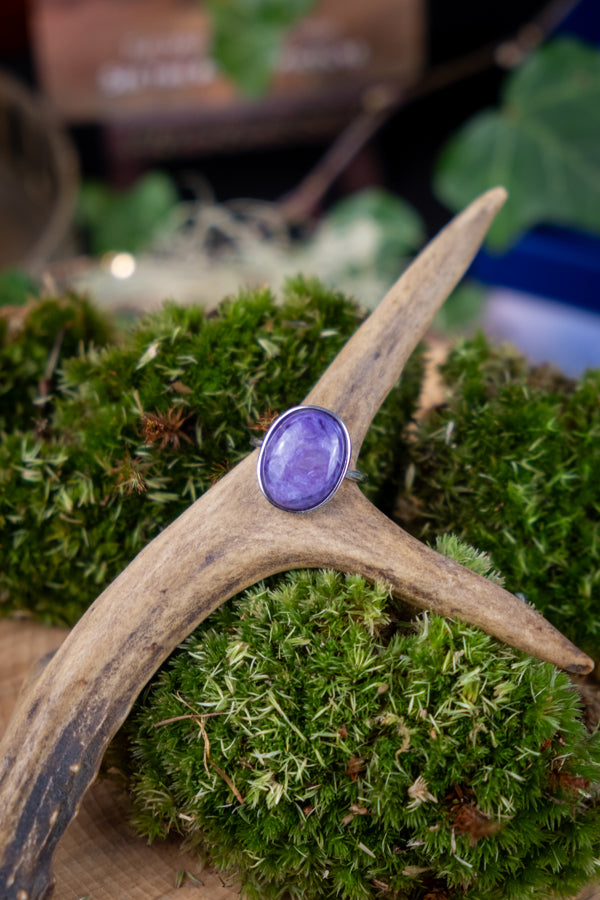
227,540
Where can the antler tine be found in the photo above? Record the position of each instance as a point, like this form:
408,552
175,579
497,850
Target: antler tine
362,539
366,369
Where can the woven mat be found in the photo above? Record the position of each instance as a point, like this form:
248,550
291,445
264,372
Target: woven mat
100,857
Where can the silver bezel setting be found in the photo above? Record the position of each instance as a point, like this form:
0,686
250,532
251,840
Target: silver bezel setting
265,443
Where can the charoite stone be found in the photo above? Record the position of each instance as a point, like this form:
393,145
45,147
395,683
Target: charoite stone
303,458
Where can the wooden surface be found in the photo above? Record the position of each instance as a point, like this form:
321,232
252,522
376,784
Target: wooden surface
229,538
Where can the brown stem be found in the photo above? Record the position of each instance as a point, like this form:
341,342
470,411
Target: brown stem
378,104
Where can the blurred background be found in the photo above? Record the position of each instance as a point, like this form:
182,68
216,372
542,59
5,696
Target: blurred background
154,149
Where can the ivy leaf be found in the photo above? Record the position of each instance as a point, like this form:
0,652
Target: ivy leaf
248,35
543,145
16,287
363,243
462,310
400,226
126,220
397,230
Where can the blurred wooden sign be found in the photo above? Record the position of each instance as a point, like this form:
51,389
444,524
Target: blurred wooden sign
134,63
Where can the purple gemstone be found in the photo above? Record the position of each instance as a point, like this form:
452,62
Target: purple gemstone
303,459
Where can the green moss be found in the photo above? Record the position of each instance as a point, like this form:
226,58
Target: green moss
511,464
138,430
373,757
34,339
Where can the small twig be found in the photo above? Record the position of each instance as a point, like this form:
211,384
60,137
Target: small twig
199,718
192,716
378,104
217,768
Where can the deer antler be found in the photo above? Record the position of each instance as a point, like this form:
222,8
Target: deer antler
227,540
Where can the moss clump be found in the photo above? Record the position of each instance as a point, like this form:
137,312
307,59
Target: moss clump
511,464
33,339
373,757
136,431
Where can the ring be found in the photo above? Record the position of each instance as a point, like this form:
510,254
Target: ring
304,458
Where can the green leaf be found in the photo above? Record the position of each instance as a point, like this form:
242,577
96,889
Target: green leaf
270,348
462,310
16,287
128,220
248,35
150,353
363,244
543,145
400,227
386,228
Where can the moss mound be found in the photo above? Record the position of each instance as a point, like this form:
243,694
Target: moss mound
511,464
33,338
135,431
317,744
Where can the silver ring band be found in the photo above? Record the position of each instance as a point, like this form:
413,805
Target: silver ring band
356,475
